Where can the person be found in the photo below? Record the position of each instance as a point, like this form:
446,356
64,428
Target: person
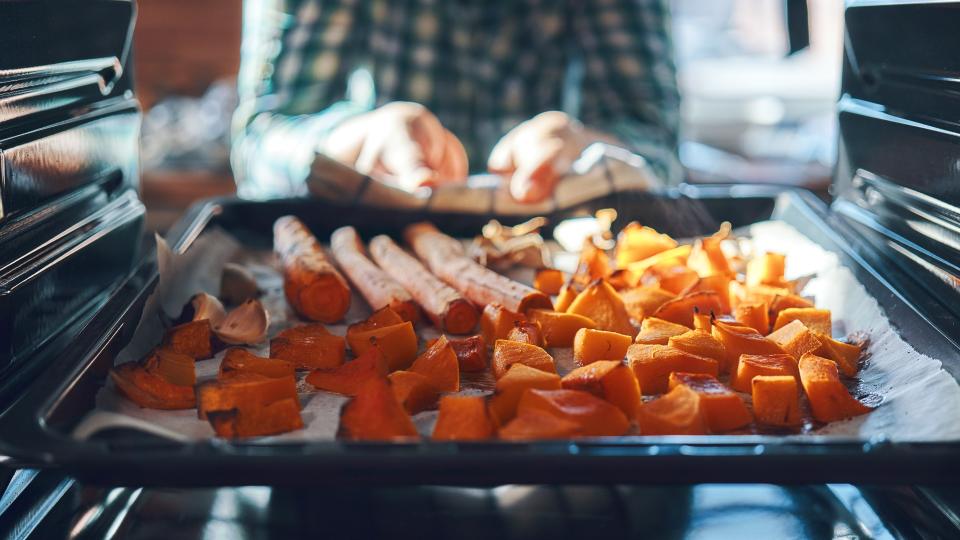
423,92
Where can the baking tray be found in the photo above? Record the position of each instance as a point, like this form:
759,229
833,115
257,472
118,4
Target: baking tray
35,431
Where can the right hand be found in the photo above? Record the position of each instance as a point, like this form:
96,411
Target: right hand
400,143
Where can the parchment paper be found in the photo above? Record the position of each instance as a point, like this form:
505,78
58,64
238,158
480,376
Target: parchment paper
918,401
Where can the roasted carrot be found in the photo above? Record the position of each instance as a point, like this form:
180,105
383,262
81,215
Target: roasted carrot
378,288
448,310
313,287
447,259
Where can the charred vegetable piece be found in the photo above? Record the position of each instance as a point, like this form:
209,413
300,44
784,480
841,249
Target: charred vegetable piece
738,340
149,390
753,365
471,353
527,332
602,304
534,425
593,416
591,345
548,281
559,329
776,400
722,409
829,399
191,339
243,361
506,353
439,364
654,331
609,380
496,322
413,390
463,418
374,414
678,412
518,379
653,364
796,339
681,310
348,378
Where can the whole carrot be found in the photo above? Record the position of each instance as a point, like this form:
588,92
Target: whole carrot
311,283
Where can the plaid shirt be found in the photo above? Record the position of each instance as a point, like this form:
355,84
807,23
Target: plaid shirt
482,66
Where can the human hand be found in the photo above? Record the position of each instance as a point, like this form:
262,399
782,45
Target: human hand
400,143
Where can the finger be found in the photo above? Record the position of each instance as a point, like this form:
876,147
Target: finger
455,166
403,157
501,157
430,134
538,173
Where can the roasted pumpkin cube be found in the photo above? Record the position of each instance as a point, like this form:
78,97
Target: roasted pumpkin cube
374,414
310,352
413,390
707,257
672,257
681,310
776,400
636,243
677,412
149,390
654,331
669,277
643,301
439,364
397,343
594,263
506,353
722,409
237,360
767,269
787,301
610,380
527,332
590,345
754,365
593,416
796,339
699,343
471,353
559,329
519,378
538,425
463,418
568,293
384,316
703,321
717,284
244,392
548,281
829,399
281,416
348,378
192,339
602,304
175,368
846,355
496,322
817,320
756,315
653,364
738,340
309,330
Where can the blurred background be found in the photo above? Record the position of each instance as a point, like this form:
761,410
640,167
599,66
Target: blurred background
757,107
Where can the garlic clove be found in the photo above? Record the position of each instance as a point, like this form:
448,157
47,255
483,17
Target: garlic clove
237,284
245,325
202,306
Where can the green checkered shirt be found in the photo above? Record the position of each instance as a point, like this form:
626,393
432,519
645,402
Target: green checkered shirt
482,66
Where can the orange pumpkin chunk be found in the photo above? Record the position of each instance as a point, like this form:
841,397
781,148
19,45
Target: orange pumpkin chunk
496,322
707,257
753,314
702,321
519,378
439,364
610,380
670,258
309,330
238,360
413,391
471,353
374,414
718,284
257,421
752,365
590,345
175,368
593,416
397,343
767,269
829,399
548,281
795,339
568,293
384,316
846,355
738,340
527,332
678,412
653,364
150,390
643,301
699,343
654,331
722,409
348,378
594,263
602,304
506,353
776,400
245,392
538,425
817,320
673,278
681,310
310,352
636,243
191,339
463,418
559,329
787,301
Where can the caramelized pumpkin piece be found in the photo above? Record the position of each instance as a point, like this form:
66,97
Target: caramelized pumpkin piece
397,342
776,400
348,378
506,353
636,243
681,310
538,425
817,320
306,331
374,414
238,360
590,345
677,412
150,390
722,409
673,278
384,316
463,418
568,293
654,331
643,301
496,322
559,329
280,416
594,263
702,321
594,417
846,355
653,364
519,378
787,301
717,284
609,380
738,340
754,365
527,332
756,315
672,257
471,353
173,367
707,257
439,364
244,392
602,304
829,399
413,391
309,352
795,339
548,281
192,339
767,269
699,343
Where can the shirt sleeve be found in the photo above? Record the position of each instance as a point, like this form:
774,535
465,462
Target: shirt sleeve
296,59
629,87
